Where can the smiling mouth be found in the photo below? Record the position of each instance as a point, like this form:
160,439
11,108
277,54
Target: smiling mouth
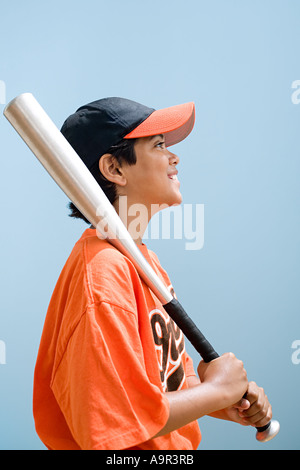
173,177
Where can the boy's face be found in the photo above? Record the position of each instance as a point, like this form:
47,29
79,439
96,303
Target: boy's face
153,179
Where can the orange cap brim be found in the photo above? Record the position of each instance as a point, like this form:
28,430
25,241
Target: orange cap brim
175,123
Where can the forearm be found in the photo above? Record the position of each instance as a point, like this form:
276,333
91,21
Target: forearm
192,381
225,414
190,404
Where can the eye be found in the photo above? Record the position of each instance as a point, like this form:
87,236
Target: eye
161,144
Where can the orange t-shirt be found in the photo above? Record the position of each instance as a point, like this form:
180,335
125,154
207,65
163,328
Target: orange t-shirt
108,353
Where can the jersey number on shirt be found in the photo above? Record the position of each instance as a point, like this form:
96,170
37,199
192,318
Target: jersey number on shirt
169,343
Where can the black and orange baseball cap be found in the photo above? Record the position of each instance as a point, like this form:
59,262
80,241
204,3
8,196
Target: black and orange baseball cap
95,127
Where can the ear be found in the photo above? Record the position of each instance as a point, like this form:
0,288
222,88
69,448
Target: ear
111,170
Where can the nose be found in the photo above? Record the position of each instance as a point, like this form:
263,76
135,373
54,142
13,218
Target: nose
173,159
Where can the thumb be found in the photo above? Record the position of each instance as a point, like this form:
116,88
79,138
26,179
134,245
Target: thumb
243,404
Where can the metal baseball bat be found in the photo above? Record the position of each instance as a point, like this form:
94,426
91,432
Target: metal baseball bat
70,173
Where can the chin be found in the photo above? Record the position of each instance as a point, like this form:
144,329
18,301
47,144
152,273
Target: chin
177,200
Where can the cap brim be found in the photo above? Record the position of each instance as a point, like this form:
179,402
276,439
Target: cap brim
175,123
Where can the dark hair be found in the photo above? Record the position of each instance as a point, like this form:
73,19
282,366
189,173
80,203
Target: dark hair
123,152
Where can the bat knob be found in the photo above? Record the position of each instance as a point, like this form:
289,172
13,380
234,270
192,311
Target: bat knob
267,432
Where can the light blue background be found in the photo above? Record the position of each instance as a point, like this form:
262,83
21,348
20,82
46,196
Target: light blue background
237,60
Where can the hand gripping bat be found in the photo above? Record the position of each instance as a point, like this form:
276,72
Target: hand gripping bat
73,177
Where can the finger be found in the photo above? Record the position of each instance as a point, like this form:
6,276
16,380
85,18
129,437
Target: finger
254,392
261,418
260,405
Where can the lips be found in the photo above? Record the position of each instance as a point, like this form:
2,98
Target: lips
173,176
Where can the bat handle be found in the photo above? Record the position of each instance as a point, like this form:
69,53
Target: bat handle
207,352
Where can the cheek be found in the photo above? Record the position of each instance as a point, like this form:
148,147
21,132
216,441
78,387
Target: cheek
152,173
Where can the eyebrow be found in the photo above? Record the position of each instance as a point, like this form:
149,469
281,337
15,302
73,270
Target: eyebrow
161,136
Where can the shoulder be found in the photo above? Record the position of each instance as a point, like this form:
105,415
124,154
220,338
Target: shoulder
163,273
110,276
102,258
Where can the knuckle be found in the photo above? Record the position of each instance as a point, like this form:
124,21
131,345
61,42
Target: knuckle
269,413
259,404
251,385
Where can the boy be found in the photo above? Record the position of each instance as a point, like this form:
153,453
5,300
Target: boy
112,371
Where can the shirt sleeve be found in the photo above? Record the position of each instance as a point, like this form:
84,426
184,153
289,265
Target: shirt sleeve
101,384
189,366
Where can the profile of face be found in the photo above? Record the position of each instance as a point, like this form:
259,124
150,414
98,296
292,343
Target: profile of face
152,180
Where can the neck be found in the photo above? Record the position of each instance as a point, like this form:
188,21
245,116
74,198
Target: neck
135,216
